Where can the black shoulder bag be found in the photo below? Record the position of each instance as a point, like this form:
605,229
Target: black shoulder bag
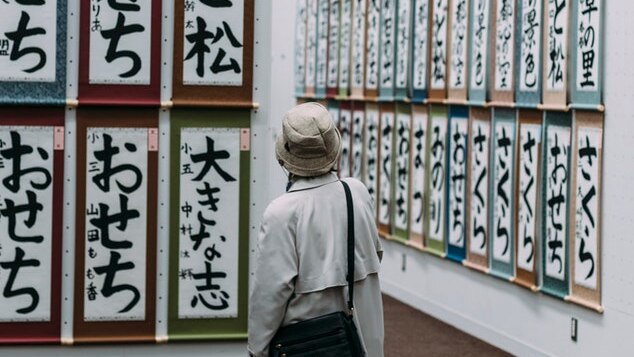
333,334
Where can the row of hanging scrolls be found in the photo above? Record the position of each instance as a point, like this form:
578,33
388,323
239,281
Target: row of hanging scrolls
514,193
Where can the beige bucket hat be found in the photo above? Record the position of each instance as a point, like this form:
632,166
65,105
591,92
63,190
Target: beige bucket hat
310,143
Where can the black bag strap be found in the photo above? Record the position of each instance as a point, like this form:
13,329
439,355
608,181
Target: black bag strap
350,275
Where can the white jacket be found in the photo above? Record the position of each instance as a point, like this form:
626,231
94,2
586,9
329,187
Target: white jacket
302,262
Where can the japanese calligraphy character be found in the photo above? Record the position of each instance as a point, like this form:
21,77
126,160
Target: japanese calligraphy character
15,153
114,35
20,34
12,210
209,158
102,180
108,289
104,221
117,5
208,285
14,267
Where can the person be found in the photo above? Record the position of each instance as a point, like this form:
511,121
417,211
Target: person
301,262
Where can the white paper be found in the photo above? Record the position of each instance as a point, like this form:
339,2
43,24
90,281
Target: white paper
437,177
358,44
587,216
35,59
530,60
333,44
479,44
478,232
345,44
38,248
221,22
460,19
556,45
403,38
402,154
418,148
388,45
530,142
311,44
322,44
358,123
385,166
557,173
502,230
346,138
504,45
458,181
124,250
208,274
438,54
373,43
371,151
588,40
420,33
300,43
124,59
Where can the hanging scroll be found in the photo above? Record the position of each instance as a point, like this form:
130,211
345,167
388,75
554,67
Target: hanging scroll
587,54
402,147
345,45
321,71
502,196
528,85
555,65
33,52
209,236
345,128
120,55
479,71
386,163
388,50
31,169
402,85
371,152
528,191
457,182
585,201
332,78
358,126
220,72
372,49
358,48
300,47
417,164
438,48
478,231
436,181
504,53
115,265
420,44
458,25
556,198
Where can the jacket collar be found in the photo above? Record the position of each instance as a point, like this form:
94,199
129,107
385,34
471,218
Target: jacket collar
306,183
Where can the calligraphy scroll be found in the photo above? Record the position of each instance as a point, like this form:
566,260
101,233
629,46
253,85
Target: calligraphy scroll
400,181
528,85
321,69
587,55
359,8
528,190
504,52
479,62
31,169
115,266
555,67
358,127
372,49
333,109
585,213
33,52
457,182
418,149
438,51
387,57
420,46
556,201
345,45
386,168
402,76
119,58
300,47
220,72
502,243
478,231
371,165
436,181
209,244
332,78
458,41
345,129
